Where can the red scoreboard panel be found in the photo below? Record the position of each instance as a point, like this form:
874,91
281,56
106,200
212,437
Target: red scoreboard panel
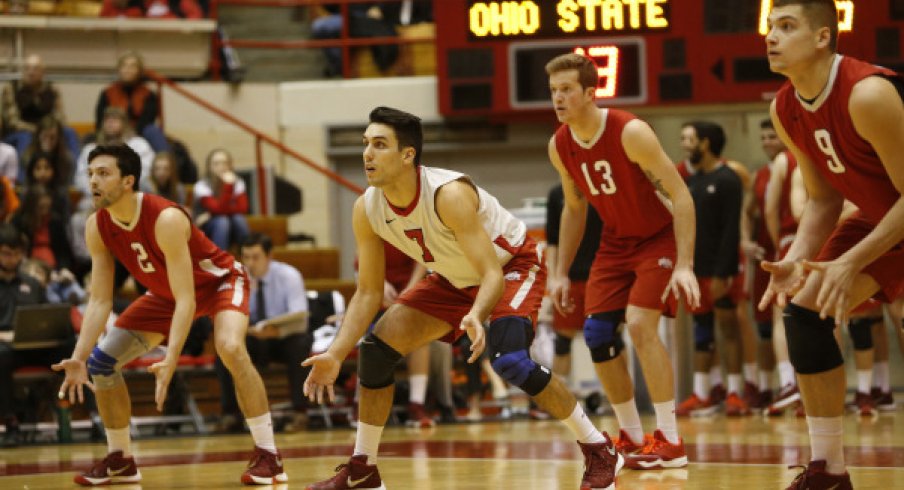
491,54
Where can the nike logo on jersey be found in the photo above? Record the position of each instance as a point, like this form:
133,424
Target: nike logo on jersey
390,221
354,483
666,263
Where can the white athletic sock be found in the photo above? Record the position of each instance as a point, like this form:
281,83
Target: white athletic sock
701,385
262,432
418,388
881,377
629,420
715,376
735,384
864,380
666,421
582,428
750,373
766,380
786,374
119,440
826,442
367,441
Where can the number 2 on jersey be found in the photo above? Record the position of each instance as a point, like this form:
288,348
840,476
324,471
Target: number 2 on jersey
143,262
824,140
603,168
417,235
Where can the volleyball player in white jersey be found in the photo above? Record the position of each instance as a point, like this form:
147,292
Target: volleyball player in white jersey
484,268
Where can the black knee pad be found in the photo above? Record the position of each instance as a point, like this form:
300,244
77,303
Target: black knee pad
705,332
861,330
603,334
508,344
765,329
377,361
562,345
811,343
725,303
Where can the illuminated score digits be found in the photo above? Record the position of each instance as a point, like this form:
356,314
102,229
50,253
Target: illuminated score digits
606,59
845,15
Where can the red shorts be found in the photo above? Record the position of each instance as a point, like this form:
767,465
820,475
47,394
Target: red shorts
738,290
887,270
525,282
575,319
637,276
151,313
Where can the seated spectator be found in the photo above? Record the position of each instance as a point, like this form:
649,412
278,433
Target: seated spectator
61,286
221,201
9,201
9,162
157,9
163,179
115,128
45,228
26,102
365,20
17,289
279,328
40,171
139,103
47,140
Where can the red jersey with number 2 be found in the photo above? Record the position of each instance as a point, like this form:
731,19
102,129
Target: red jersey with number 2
615,186
135,246
825,132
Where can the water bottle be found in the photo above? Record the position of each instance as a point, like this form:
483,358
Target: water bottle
64,421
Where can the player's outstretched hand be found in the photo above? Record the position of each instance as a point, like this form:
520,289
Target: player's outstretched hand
560,292
786,279
75,381
163,372
475,331
324,371
683,283
834,296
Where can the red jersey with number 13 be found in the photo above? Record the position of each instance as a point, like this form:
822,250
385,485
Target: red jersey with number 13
825,132
615,186
135,246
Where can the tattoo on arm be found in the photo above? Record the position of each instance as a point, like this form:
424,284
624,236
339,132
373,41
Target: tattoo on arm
657,183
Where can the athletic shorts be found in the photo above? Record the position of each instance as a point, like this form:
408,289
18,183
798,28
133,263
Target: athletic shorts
738,290
573,321
635,275
707,302
151,313
525,282
887,270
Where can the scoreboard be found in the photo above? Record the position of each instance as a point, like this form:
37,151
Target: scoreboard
491,54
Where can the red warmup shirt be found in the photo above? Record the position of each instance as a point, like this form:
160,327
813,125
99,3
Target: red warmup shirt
614,185
825,132
135,245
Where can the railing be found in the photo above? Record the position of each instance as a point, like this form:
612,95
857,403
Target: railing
345,41
259,139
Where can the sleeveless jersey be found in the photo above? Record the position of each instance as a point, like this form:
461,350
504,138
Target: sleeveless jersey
614,185
825,132
685,169
419,233
760,187
135,246
787,223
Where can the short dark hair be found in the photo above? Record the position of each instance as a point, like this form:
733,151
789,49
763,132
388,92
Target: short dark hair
259,239
711,131
819,13
11,237
767,124
588,75
127,160
407,128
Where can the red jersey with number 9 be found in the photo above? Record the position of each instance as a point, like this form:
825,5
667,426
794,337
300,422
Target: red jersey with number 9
824,131
135,245
615,186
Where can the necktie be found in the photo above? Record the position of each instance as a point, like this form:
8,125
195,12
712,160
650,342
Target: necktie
261,311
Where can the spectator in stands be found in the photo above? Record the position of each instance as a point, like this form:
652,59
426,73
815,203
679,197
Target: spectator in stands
61,286
278,329
115,128
9,201
45,227
47,140
163,179
42,171
365,20
17,289
9,162
122,8
27,101
130,94
157,9
221,201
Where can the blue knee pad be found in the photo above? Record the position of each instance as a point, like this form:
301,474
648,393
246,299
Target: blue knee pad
705,332
508,341
102,368
812,348
603,334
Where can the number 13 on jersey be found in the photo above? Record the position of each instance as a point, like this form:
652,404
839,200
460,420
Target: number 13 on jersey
604,170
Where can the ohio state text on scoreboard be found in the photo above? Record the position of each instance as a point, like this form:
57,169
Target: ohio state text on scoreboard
491,54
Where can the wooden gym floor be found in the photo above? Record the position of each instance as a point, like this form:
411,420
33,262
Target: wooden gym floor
743,453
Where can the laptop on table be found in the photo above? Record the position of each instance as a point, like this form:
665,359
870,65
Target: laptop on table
42,326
